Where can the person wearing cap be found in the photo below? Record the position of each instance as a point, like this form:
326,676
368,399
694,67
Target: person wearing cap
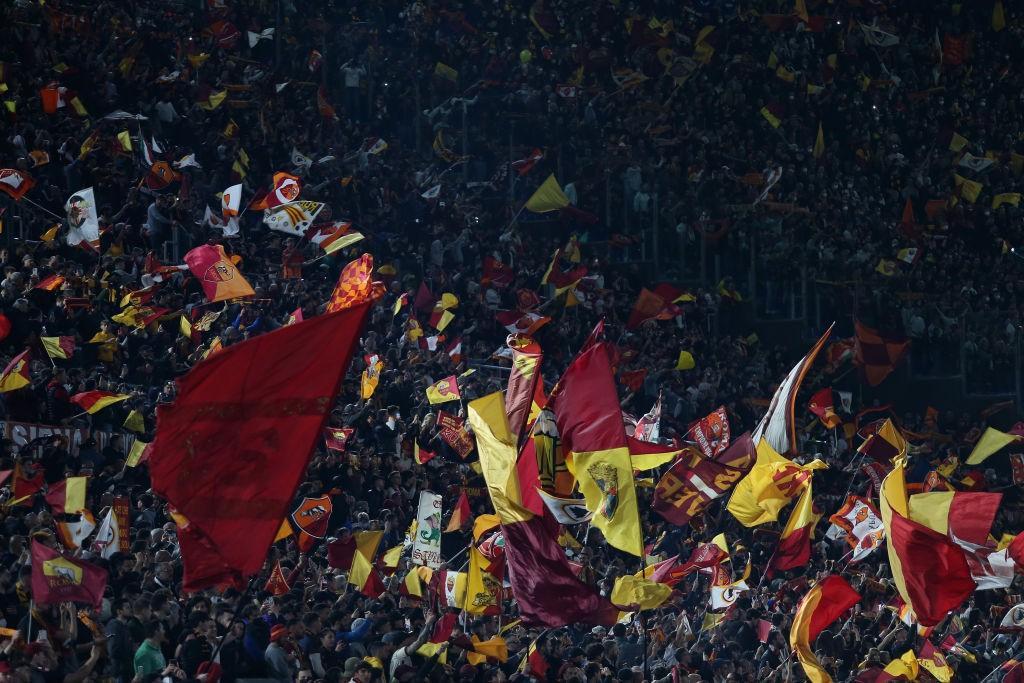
279,661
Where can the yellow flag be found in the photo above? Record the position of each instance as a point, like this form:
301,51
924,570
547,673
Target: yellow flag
905,666
773,60
185,326
393,555
998,17
785,74
11,105
125,138
686,361
285,531
446,318
74,494
444,71
711,620
482,588
494,647
819,143
448,300
991,442
51,234
631,592
79,108
770,485
606,481
800,9
136,453
548,197
771,118
214,100
135,422
886,267
362,560
957,142
370,379
1011,198
412,584
969,189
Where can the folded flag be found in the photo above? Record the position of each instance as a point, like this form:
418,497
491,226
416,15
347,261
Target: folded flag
58,347
794,549
816,611
217,275
444,390
57,578
16,374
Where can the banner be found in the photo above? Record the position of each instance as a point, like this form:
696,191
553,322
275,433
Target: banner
83,221
693,482
426,549
122,508
24,433
453,432
712,433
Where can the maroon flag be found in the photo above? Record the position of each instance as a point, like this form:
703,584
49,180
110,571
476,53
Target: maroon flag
497,273
336,438
231,450
522,382
56,578
693,482
452,430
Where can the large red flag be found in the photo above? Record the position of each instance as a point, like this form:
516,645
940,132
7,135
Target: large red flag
56,578
231,450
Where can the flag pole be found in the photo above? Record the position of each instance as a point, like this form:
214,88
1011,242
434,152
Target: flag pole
234,617
31,609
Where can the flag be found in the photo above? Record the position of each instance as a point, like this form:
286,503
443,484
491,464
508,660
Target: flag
769,486
769,116
16,375
821,404
277,584
648,427
285,189
444,390
636,593
685,361
72,534
694,482
370,378
523,382
334,236
543,583
547,197
217,275
648,306
94,401
712,433
496,273
336,438
293,219
523,166
875,354
877,37
254,38
885,444
355,555
566,511
860,521
998,22
354,286
483,588
134,422
589,422
216,453
992,441
231,201
816,611
58,347
51,284
794,549
819,143
934,662
66,497
83,221
15,183
108,535
778,426
57,578
460,514
525,324
138,454
930,571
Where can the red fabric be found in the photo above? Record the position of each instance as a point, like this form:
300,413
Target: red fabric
837,596
56,496
587,409
529,478
793,550
231,450
522,383
5,327
543,583
56,578
934,569
648,305
971,516
341,552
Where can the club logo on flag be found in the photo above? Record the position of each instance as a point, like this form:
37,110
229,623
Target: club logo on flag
607,479
218,272
62,572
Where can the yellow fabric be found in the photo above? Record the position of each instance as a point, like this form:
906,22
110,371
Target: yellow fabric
484,523
448,300
483,590
942,673
711,620
446,318
932,509
393,555
769,486
799,637
906,665
51,234
893,498
606,481
957,142
185,326
648,461
284,532
135,454
770,117
800,9
430,649
214,100
819,143
1011,198
991,442
362,560
135,422
685,361
719,540
74,494
1004,541
632,592
125,138
441,391
803,514
498,453
494,647
548,197
412,584
79,108
370,379
998,22
53,347
969,189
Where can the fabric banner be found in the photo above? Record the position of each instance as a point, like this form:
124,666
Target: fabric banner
711,433
426,549
453,432
693,482
24,433
121,509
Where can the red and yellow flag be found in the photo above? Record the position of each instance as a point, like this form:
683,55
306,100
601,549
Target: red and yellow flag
822,605
460,514
58,347
67,497
220,279
94,401
16,374
794,549
354,285
277,584
444,390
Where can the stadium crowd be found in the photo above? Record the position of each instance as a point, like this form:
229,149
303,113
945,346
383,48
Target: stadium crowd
813,140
